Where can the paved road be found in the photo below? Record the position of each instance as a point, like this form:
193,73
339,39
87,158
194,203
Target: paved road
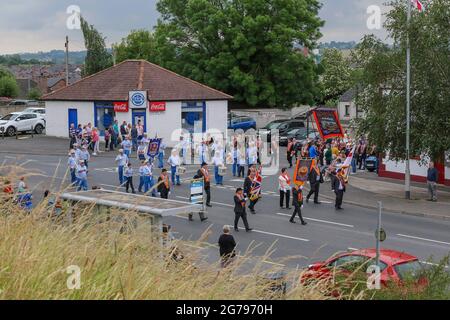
327,231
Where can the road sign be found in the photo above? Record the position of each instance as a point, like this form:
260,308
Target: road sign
381,235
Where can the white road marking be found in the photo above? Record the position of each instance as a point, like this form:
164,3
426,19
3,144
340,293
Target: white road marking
353,249
219,203
424,239
318,220
277,235
237,180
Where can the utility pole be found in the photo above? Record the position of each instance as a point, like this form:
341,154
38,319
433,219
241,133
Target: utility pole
378,237
408,105
67,60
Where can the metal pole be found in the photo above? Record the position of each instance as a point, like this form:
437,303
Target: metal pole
378,234
408,104
67,60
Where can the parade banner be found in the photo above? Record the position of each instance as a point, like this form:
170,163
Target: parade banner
255,190
347,164
327,121
153,147
302,169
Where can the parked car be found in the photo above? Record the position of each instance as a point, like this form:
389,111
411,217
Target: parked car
283,127
39,111
23,103
298,134
395,266
21,122
244,123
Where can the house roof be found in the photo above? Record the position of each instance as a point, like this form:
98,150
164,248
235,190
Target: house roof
348,95
114,83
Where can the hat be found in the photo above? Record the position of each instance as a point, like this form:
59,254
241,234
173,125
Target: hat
163,170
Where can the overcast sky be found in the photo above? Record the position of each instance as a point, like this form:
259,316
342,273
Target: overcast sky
40,25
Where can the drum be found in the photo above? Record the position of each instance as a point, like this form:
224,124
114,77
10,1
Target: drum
180,170
222,170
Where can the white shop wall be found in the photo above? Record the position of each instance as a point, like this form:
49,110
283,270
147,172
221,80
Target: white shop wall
217,115
164,123
57,116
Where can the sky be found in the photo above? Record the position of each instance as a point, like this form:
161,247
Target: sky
41,25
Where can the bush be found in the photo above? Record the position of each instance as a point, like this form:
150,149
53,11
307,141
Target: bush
8,87
34,94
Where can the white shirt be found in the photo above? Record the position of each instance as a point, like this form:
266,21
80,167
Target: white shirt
122,159
174,161
282,183
218,161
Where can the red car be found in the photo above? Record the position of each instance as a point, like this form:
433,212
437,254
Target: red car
394,265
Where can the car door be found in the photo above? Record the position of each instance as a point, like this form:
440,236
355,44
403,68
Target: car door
20,122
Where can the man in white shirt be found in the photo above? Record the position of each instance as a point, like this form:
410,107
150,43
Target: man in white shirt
174,161
218,162
121,161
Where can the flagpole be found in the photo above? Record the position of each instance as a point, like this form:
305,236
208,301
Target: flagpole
408,104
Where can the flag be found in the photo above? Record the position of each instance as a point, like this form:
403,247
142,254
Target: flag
418,4
153,147
347,163
256,185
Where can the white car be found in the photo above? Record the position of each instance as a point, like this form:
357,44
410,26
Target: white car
21,122
39,111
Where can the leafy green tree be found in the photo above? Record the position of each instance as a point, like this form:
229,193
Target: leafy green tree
5,73
247,48
337,76
8,87
97,57
139,44
382,95
34,94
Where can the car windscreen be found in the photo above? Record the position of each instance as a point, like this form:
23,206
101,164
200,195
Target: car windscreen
272,125
409,269
295,131
9,117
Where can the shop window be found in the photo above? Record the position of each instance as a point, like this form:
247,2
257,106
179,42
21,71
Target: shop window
104,116
193,116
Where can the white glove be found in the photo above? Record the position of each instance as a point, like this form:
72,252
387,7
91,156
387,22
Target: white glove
301,187
301,207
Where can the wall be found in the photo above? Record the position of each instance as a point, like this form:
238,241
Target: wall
216,116
164,123
57,116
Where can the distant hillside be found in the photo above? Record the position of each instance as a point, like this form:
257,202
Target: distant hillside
51,57
338,45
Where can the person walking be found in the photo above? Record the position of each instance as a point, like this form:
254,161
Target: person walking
290,151
338,184
142,170
203,172
227,244
174,162
315,179
239,210
218,162
148,179
241,163
121,161
128,174
284,185
297,202
248,182
234,157
432,179
134,135
127,145
161,153
72,163
163,184
81,175
95,141
85,156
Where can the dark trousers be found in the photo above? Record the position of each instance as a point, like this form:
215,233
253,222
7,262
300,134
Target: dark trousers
314,189
289,159
106,143
241,171
252,204
297,211
286,195
362,161
129,183
164,194
242,216
208,195
339,197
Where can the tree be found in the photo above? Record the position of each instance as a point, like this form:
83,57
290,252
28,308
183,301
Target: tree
337,76
139,44
97,57
34,94
8,87
5,73
247,48
383,83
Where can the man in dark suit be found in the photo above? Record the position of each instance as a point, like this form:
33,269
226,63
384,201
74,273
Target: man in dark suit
239,210
248,182
297,202
226,247
203,172
164,187
338,186
315,179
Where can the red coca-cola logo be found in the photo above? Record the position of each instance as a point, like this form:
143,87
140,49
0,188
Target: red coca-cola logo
157,106
120,106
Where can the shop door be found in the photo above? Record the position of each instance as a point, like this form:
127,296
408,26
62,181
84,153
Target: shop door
73,117
140,114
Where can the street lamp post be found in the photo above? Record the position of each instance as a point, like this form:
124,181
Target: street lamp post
408,104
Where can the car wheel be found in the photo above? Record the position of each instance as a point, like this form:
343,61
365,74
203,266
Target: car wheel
11,131
39,128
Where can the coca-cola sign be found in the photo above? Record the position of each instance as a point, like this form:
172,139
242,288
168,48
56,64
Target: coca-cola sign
120,106
157,106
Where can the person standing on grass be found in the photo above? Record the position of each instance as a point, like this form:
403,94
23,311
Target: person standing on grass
128,174
297,202
284,185
72,163
121,161
96,141
127,145
174,162
227,244
315,179
239,210
432,179
81,175
164,185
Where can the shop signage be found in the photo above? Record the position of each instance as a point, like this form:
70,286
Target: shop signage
157,106
120,106
137,99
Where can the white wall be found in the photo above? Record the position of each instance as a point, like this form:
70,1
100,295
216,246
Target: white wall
217,115
399,167
164,123
447,173
57,116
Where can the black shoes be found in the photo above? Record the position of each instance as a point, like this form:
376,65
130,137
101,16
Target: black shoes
204,219
304,223
249,229
236,229
317,202
307,200
338,208
292,221
208,205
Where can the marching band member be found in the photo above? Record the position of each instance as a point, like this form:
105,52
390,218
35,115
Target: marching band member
164,187
174,162
297,202
204,172
338,186
161,153
141,151
218,162
247,189
149,178
81,174
284,183
315,179
142,170
239,210
121,161
127,145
